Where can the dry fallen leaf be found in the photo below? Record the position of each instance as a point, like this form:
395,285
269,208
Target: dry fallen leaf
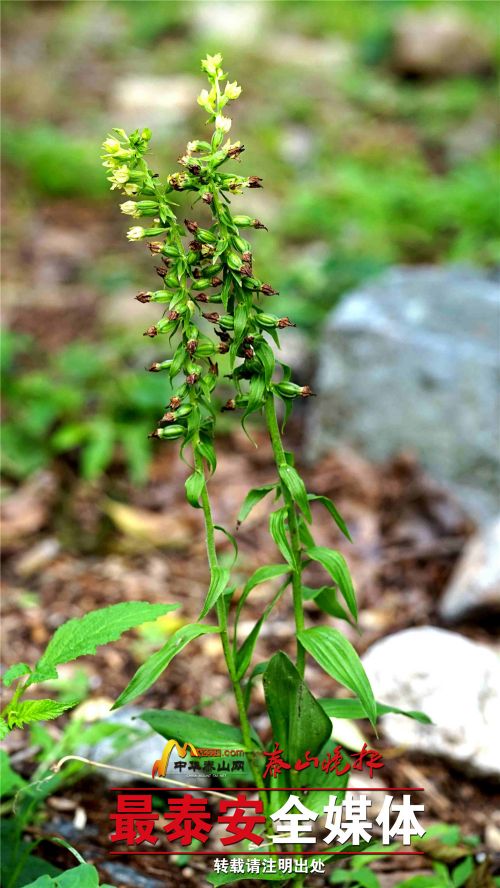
172,531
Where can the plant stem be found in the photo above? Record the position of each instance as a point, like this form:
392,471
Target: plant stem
224,634
293,527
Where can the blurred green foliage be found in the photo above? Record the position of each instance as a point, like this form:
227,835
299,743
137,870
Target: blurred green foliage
87,403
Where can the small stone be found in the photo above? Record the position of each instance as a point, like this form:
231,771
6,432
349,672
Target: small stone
455,681
474,587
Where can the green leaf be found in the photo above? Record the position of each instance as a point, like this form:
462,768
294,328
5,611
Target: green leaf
256,395
196,729
266,572
83,876
338,658
265,355
296,487
244,654
326,599
337,517
462,872
36,710
218,582
83,635
194,488
277,529
338,708
98,451
231,539
10,780
14,672
231,878
150,671
335,564
253,497
4,729
298,721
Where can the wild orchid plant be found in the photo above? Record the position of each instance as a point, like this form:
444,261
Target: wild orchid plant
209,279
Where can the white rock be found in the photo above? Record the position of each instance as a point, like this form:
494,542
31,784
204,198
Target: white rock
475,584
240,23
456,682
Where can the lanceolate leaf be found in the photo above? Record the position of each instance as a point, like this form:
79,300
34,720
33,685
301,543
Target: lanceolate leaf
4,729
244,654
218,582
83,635
35,710
353,709
196,729
326,599
253,497
267,572
335,564
296,487
337,517
151,670
277,529
231,539
297,719
338,658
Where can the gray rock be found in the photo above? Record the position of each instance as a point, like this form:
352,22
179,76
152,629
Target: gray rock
411,361
139,755
127,875
455,681
474,587
440,42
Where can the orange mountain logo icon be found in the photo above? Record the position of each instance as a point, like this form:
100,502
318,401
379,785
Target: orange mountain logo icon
160,766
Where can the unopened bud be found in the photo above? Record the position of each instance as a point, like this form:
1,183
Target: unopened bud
156,366
191,226
175,402
212,316
223,348
257,224
168,417
170,432
247,256
246,270
254,182
143,297
191,346
173,315
216,281
192,379
161,271
285,322
151,332
207,197
229,405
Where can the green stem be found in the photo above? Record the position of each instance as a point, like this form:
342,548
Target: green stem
224,633
293,527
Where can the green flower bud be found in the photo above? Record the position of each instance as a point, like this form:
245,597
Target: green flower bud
170,432
156,366
205,236
234,261
291,390
201,284
243,221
